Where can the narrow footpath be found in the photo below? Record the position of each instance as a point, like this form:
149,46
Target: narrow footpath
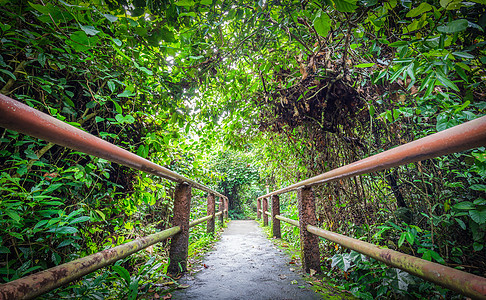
244,264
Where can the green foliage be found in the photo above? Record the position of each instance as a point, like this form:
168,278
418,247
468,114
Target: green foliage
238,95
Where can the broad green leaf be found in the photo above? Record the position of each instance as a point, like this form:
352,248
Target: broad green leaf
364,65
322,23
206,2
401,239
117,42
410,237
478,246
465,205
16,235
453,26
111,86
478,187
423,7
89,30
461,223
185,3
126,93
30,154
79,220
341,261
445,81
123,273
124,119
463,55
110,18
398,44
146,71
63,230
10,74
436,256
80,41
65,243
478,216
142,152
344,5
12,214
451,4
189,14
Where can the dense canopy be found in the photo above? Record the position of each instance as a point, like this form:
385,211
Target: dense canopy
241,95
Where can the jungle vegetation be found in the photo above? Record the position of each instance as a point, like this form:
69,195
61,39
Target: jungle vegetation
238,95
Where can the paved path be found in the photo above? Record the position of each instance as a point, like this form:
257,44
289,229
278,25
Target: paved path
245,265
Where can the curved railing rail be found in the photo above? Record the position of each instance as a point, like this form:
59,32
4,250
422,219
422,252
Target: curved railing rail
24,119
459,138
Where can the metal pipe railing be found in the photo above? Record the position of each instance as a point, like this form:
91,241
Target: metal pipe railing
201,220
22,118
42,282
459,281
268,213
458,138
287,220
219,213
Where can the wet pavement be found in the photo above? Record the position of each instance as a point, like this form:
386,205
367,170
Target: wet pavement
244,264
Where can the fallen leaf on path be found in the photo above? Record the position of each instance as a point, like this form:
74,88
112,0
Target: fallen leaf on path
183,286
205,266
294,282
156,296
168,296
292,269
282,276
292,262
312,272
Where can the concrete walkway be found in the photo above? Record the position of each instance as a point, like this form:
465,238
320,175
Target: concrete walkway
245,265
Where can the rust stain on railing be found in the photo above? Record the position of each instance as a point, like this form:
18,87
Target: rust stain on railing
25,119
459,138
36,284
287,220
459,281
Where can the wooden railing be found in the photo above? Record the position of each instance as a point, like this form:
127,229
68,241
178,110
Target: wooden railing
24,119
459,138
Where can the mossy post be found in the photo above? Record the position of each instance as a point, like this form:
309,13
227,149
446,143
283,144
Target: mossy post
309,243
275,213
264,210
221,210
259,207
211,212
179,243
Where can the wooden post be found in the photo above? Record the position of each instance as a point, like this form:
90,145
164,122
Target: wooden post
259,206
226,207
264,210
221,209
309,243
275,212
180,242
211,211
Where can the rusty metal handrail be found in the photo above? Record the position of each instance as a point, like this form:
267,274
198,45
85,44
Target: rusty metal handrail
458,138
287,220
22,118
36,284
465,283
201,220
